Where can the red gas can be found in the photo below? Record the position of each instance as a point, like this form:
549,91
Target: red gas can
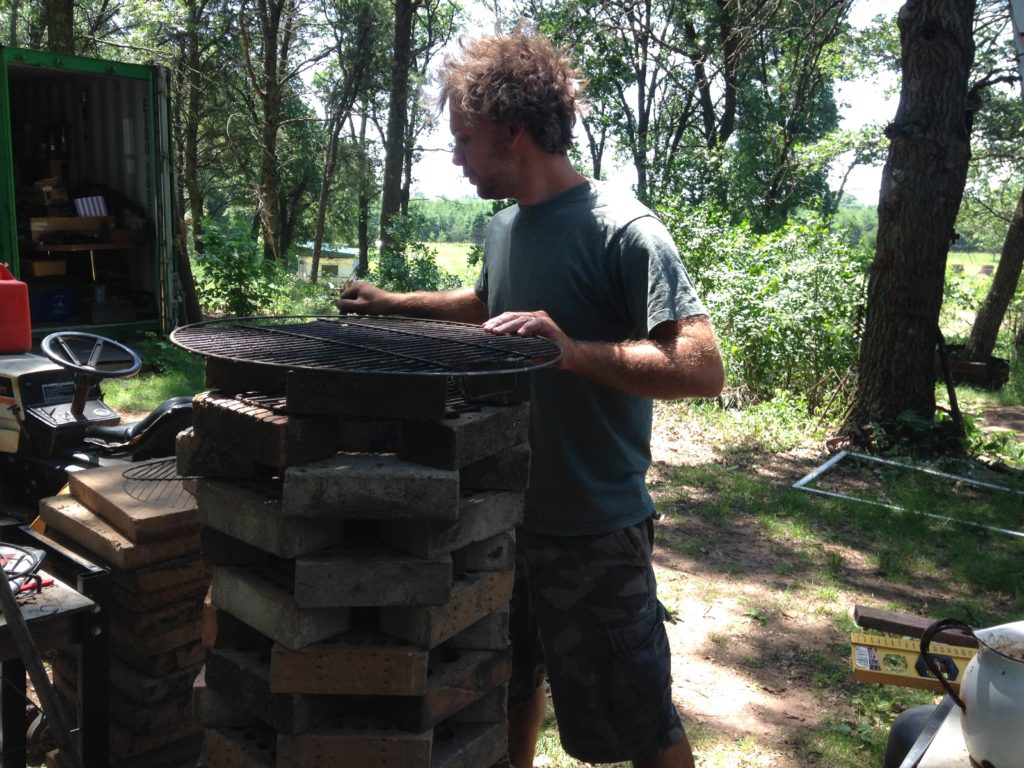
15,320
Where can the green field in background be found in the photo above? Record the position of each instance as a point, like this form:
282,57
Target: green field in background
451,257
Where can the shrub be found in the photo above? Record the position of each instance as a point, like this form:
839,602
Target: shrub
408,265
784,304
232,277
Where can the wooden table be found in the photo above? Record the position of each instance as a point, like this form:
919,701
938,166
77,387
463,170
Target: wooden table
59,616
90,248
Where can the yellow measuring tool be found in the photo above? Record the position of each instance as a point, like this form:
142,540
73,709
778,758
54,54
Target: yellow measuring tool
897,661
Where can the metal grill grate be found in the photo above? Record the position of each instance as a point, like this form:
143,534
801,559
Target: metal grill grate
157,483
374,345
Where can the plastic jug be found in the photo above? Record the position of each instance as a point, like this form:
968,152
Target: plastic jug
15,319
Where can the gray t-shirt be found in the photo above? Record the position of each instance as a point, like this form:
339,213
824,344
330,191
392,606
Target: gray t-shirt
605,269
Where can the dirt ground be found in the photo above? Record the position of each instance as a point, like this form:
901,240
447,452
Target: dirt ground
718,619
747,622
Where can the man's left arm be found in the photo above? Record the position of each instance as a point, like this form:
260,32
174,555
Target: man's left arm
679,359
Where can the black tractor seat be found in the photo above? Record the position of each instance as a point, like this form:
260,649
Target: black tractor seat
149,437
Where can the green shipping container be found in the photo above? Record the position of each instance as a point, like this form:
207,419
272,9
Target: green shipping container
86,196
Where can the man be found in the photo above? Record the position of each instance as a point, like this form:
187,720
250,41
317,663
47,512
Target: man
598,274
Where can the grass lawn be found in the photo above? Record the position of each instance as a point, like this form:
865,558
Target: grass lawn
451,257
973,263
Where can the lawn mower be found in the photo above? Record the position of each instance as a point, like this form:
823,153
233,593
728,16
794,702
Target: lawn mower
53,420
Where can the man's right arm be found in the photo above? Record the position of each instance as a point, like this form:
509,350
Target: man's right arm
460,305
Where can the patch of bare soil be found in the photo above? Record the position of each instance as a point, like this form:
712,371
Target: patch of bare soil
754,619
1004,418
741,644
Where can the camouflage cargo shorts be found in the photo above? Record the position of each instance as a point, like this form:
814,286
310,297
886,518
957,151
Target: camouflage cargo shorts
585,613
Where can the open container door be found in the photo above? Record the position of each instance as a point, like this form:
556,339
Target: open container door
86,192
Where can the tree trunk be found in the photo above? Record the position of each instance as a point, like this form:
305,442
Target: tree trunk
330,164
922,185
60,25
267,65
986,326
398,118
363,204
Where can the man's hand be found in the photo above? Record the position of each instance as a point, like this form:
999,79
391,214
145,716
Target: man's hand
365,299
532,324
680,359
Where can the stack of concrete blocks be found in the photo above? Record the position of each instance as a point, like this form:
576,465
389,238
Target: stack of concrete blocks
147,533
362,550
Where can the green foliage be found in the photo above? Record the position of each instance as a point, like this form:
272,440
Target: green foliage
409,265
168,371
476,254
450,221
295,296
784,304
232,277
858,223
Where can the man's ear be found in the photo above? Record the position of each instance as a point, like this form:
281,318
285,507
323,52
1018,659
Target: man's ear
515,131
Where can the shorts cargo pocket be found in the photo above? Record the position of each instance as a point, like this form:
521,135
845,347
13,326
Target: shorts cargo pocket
640,671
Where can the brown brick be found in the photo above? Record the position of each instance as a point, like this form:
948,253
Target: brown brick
126,744
465,745
456,680
221,549
211,706
496,553
145,601
481,516
264,600
507,470
357,742
136,686
370,435
465,435
156,620
366,576
252,513
370,487
97,537
171,713
239,748
222,630
162,575
488,634
383,397
492,707
258,428
244,677
473,596
165,639
201,458
158,664
236,376
140,509
353,663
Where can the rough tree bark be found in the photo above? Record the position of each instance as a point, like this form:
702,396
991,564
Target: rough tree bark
922,186
60,25
398,117
267,62
986,326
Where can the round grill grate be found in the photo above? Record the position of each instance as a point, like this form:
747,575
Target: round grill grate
366,344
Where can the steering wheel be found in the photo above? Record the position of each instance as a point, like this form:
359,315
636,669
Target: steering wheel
82,354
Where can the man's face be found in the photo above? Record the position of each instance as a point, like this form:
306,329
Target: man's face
483,153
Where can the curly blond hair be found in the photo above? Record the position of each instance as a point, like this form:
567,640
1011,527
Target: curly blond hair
517,78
